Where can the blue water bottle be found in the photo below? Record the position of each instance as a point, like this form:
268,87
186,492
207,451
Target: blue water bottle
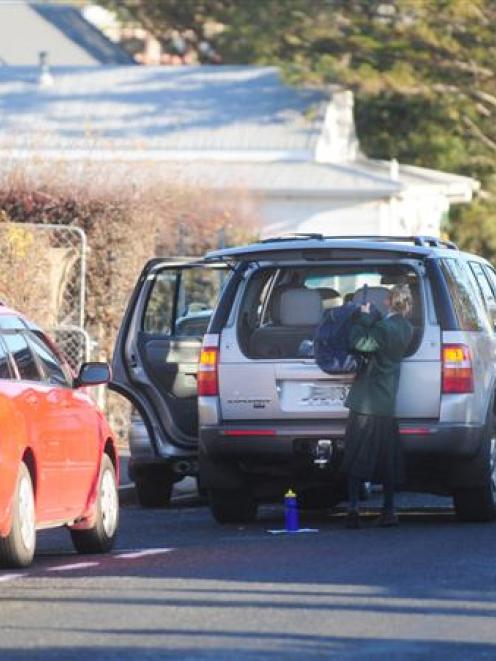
291,511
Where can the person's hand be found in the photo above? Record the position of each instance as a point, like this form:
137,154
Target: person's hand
365,308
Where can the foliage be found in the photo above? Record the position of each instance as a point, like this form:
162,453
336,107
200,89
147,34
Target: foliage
128,217
125,224
423,71
474,229
25,263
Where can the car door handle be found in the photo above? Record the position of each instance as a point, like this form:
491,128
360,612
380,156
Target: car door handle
133,361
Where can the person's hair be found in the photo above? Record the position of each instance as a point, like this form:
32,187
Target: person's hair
401,299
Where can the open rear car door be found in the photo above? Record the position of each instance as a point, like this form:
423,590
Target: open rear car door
158,345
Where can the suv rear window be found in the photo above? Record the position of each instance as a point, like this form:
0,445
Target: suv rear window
467,302
281,307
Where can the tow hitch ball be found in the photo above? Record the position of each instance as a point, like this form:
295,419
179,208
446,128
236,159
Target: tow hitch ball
323,453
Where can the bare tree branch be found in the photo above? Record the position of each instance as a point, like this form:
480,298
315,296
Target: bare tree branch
479,133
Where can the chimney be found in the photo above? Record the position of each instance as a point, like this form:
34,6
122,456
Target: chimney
394,170
45,78
338,142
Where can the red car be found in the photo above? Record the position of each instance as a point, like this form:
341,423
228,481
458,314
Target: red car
58,457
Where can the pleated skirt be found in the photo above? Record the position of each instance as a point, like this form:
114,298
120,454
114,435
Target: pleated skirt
372,450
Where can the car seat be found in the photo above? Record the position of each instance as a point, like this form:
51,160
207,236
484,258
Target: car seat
294,314
330,297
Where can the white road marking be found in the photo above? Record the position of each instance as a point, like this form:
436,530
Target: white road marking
142,553
283,531
73,565
128,555
10,577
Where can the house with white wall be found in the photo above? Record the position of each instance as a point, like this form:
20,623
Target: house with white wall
227,128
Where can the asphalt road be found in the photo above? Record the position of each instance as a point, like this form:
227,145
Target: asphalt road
180,586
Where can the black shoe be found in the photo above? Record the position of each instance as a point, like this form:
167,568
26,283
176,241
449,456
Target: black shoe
387,520
353,520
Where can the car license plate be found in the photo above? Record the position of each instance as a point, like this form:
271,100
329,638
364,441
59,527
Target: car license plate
324,395
304,395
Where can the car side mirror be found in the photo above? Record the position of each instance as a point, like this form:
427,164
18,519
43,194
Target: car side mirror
92,374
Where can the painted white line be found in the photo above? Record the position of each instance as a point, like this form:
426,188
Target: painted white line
142,553
283,531
74,565
10,577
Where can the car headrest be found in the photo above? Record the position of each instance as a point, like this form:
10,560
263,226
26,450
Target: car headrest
300,307
330,297
375,295
275,303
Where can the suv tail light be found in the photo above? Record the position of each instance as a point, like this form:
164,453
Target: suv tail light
458,375
208,382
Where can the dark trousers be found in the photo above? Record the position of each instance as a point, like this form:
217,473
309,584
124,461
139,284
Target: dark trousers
372,452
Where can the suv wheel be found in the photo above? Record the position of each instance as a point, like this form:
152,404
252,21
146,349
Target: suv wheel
480,504
17,549
232,506
153,493
154,486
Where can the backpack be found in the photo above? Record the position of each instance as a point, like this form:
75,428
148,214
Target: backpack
330,341
331,347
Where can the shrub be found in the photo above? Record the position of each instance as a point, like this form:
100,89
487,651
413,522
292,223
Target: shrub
128,216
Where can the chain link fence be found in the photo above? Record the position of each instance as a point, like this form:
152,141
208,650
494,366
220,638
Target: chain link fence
43,275
74,342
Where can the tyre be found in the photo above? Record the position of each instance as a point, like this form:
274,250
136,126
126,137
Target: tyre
479,504
202,492
152,491
17,549
101,538
229,506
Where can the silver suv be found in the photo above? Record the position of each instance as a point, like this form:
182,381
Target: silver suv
235,371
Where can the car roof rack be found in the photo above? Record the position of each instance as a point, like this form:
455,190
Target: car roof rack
435,242
292,236
418,240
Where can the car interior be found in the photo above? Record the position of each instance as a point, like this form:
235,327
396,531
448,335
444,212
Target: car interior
282,307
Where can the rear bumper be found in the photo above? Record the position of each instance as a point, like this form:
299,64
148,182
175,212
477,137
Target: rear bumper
238,441
442,439
438,457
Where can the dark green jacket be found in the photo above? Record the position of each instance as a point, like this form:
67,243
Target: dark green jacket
374,390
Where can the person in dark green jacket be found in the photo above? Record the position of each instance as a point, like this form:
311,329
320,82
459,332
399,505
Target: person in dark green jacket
372,444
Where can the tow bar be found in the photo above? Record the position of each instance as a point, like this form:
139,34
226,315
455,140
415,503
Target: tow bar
323,452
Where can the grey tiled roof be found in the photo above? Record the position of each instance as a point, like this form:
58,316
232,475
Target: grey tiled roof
27,28
225,127
360,179
285,177
159,108
419,178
